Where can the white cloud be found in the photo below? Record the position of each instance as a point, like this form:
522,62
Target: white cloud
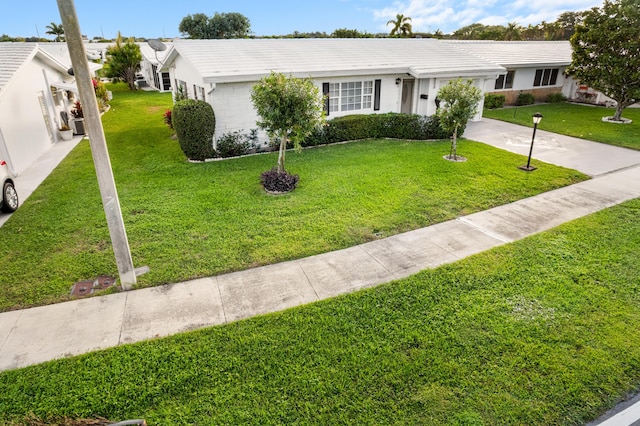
447,15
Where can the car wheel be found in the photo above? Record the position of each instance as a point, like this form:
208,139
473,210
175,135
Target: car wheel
9,198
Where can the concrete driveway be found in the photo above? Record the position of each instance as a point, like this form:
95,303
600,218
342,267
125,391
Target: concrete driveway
591,158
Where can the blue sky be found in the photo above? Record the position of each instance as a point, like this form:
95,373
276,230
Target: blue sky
160,18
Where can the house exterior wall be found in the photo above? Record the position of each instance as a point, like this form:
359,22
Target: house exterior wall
23,126
523,83
234,111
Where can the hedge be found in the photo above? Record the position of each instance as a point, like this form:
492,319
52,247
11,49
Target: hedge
391,125
493,101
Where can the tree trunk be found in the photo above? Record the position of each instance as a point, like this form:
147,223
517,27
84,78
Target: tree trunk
454,143
618,115
283,148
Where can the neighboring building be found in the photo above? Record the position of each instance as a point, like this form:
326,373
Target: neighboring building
151,60
34,89
359,76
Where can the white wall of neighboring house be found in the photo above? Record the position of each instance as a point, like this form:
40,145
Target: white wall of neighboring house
26,132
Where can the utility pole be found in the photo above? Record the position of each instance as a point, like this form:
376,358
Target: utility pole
98,144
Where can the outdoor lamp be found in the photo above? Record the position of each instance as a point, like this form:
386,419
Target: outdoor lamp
537,117
398,80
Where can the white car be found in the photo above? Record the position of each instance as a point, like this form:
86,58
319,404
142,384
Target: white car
9,200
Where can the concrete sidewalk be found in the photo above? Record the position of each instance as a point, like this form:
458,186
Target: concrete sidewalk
44,333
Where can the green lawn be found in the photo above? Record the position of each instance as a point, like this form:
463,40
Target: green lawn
581,121
188,220
544,331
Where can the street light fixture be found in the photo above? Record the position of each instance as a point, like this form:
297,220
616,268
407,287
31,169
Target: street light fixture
537,117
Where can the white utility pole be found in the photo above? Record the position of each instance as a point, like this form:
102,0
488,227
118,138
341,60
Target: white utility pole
98,143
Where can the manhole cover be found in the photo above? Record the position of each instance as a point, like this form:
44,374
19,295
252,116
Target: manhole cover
87,287
82,288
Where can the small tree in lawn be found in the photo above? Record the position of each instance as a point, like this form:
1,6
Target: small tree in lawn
289,108
459,103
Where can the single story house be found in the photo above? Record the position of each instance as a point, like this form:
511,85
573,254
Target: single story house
34,89
359,76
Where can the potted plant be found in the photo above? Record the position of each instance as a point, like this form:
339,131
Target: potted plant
77,122
66,133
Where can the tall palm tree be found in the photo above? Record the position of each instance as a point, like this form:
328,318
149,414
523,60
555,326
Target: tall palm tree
401,26
56,30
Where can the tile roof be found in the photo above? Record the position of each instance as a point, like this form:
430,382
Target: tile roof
518,53
250,59
12,56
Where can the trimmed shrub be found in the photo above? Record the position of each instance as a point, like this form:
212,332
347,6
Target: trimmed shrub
391,125
234,144
493,101
525,99
555,98
194,123
279,182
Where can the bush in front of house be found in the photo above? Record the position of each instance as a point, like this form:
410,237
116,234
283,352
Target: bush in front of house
493,101
194,123
555,98
390,125
525,99
274,181
234,144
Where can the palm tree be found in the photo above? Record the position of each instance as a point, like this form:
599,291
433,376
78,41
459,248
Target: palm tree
401,26
56,30
513,31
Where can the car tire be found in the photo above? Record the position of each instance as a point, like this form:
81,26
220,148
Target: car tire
9,198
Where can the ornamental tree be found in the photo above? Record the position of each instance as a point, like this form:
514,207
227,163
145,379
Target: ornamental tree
289,108
606,51
123,61
459,103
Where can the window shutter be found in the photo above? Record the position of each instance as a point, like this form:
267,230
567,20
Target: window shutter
325,94
376,95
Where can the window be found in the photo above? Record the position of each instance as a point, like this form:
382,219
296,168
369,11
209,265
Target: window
350,96
546,77
505,81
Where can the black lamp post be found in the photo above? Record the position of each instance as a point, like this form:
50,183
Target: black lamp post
537,117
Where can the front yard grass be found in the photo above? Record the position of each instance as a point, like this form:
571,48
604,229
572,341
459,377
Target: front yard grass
543,331
188,220
581,121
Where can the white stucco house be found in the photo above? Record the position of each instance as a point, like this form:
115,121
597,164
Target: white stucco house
359,76
364,76
34,89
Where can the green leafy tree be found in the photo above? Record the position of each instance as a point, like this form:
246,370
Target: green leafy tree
219,26
289,108
401,26
459,101
56,30
123,61
346,33
606,52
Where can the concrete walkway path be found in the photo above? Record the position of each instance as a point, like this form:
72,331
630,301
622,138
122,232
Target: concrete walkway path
44,333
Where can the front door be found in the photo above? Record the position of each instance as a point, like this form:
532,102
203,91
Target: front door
407,96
